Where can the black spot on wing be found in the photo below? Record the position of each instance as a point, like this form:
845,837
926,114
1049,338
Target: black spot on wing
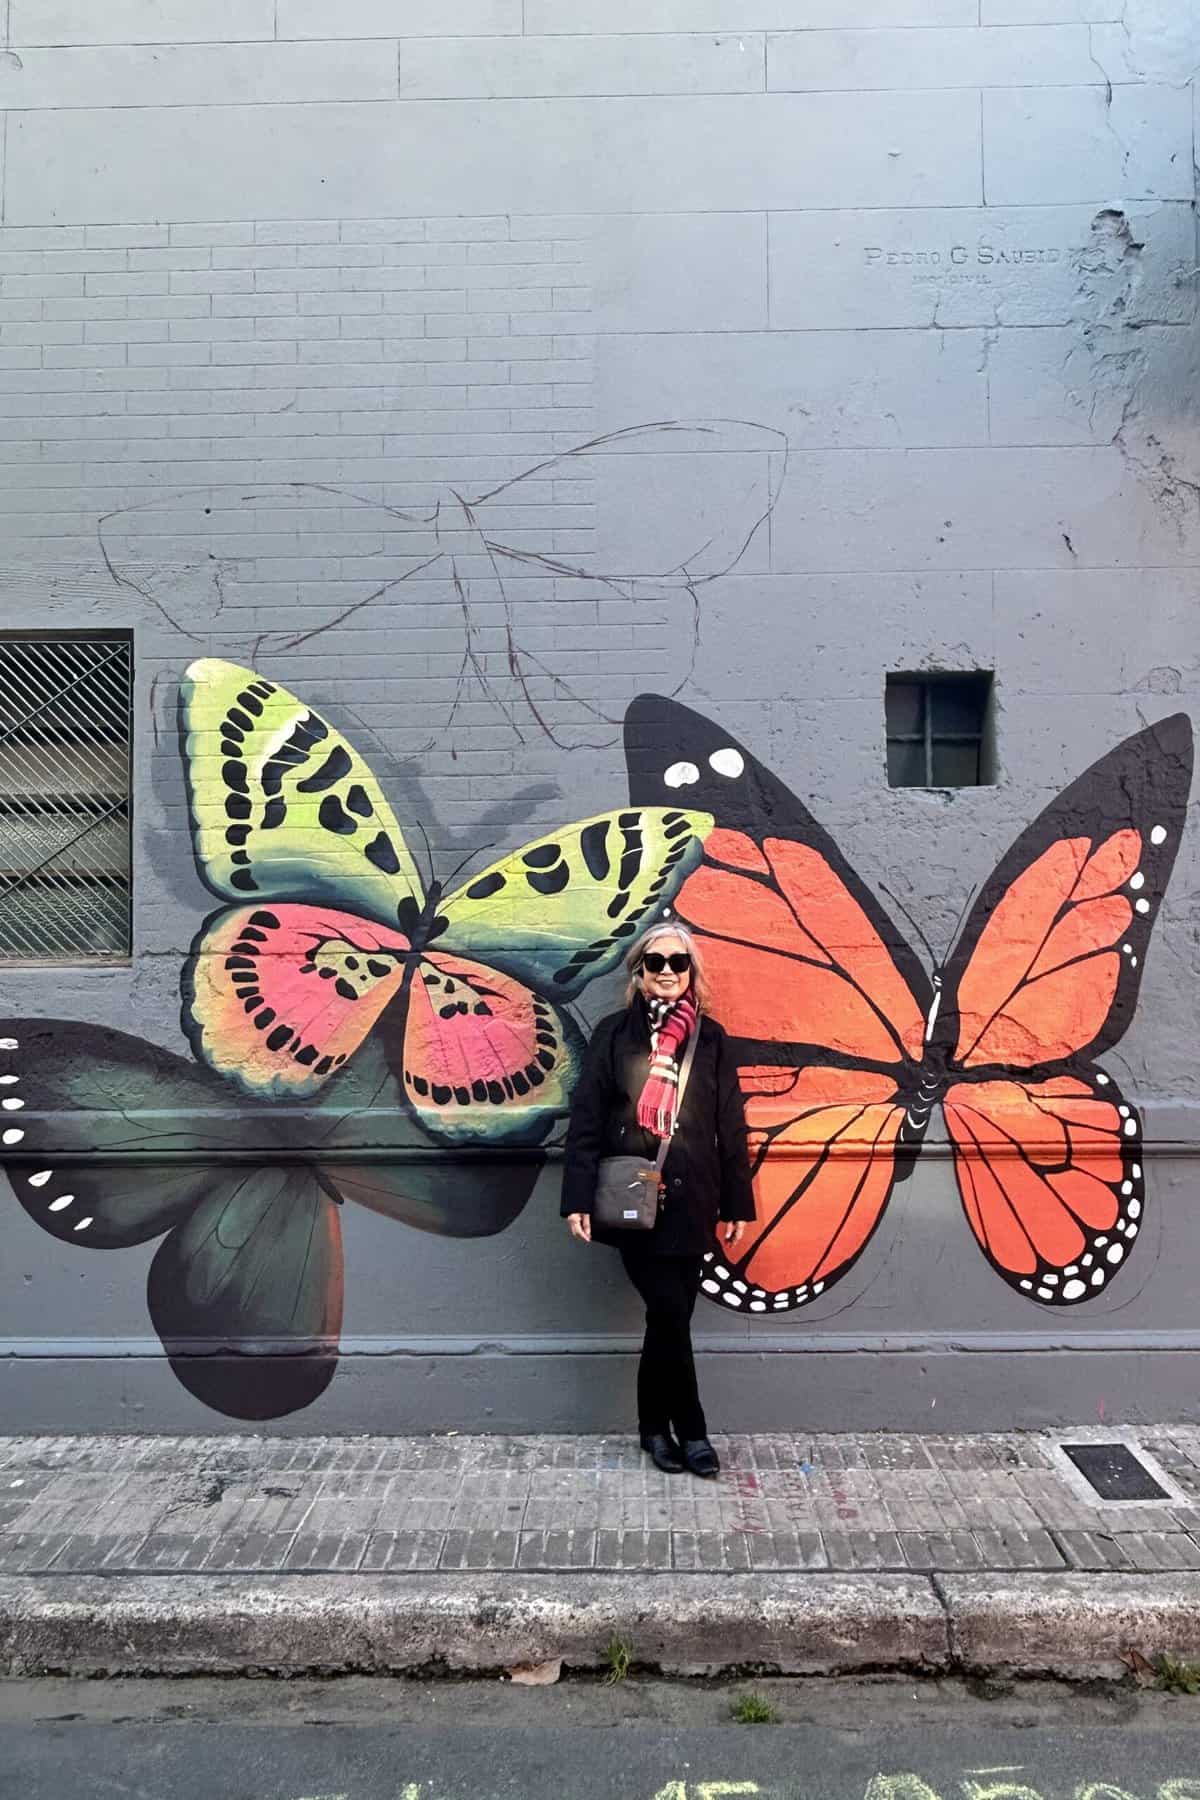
334,817
382,853
485,887
631,856
542,856
336,767
593,842
552,883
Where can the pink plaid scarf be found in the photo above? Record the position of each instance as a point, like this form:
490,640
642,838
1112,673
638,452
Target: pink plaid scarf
671,1024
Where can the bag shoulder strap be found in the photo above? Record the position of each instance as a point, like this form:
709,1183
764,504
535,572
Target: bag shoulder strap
685,1069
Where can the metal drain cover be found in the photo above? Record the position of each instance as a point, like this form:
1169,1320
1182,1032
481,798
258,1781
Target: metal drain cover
1115,1472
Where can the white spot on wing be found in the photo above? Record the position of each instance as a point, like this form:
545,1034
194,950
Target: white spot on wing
8,1043
12,1137
12,1105
1137,879
1074,1289
1158,834
62,1204
681,774
728,762
1142,906
40,1179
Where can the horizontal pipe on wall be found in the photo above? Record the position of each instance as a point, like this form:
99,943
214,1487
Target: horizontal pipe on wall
410,1154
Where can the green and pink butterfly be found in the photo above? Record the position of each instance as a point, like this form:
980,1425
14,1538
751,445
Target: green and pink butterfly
348,1022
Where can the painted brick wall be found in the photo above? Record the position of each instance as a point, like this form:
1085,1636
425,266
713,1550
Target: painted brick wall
282,283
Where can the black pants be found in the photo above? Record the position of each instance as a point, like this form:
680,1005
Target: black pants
667,1391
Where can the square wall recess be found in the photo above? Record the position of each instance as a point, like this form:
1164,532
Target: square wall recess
940,730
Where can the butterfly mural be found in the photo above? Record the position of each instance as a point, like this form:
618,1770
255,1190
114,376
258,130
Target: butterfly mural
357,1034
846,1043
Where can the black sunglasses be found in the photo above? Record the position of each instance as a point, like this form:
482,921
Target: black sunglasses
655,962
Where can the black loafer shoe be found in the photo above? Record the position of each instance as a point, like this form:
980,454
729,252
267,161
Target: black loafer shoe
701,1458
663,1451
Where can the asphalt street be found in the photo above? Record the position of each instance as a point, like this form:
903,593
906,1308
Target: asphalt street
643,1740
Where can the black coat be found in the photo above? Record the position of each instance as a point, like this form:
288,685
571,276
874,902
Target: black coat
707,1170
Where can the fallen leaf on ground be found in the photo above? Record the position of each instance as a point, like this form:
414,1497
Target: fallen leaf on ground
1139,1666
542,1674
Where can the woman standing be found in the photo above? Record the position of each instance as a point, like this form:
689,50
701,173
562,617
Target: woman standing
625,1105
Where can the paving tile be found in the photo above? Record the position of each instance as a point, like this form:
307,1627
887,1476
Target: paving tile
708,1550
479,1550
784,1501
1013,1548
1151,1550
325,1550
633,1550
788,1550
556,1550
1093,1550
166,1550
863,1550
253,1550
403,1550
941,1550
30,1552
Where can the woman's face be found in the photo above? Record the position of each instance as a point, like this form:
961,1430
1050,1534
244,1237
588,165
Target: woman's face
666,985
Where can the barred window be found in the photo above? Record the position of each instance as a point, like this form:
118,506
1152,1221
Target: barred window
940,730
65,767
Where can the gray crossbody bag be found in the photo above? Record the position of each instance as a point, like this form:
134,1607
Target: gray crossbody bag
627,1187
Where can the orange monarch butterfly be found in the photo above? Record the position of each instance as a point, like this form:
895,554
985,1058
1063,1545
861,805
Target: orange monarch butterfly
846,1043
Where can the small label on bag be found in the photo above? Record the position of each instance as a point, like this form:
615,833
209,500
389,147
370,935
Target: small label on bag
631,1215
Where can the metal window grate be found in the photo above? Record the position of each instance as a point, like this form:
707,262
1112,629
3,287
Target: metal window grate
938,730
65,763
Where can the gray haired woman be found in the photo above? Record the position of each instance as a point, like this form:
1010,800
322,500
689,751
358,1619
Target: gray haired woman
625,1104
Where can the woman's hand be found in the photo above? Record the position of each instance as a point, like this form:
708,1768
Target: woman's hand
733,1231
581,1226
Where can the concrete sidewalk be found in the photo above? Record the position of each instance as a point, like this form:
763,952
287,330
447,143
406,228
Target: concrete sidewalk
811,1552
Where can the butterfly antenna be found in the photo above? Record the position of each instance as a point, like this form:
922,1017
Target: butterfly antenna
480,850
428,853
933,961
958,924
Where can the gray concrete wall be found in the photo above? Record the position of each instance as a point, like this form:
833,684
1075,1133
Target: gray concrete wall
277,278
